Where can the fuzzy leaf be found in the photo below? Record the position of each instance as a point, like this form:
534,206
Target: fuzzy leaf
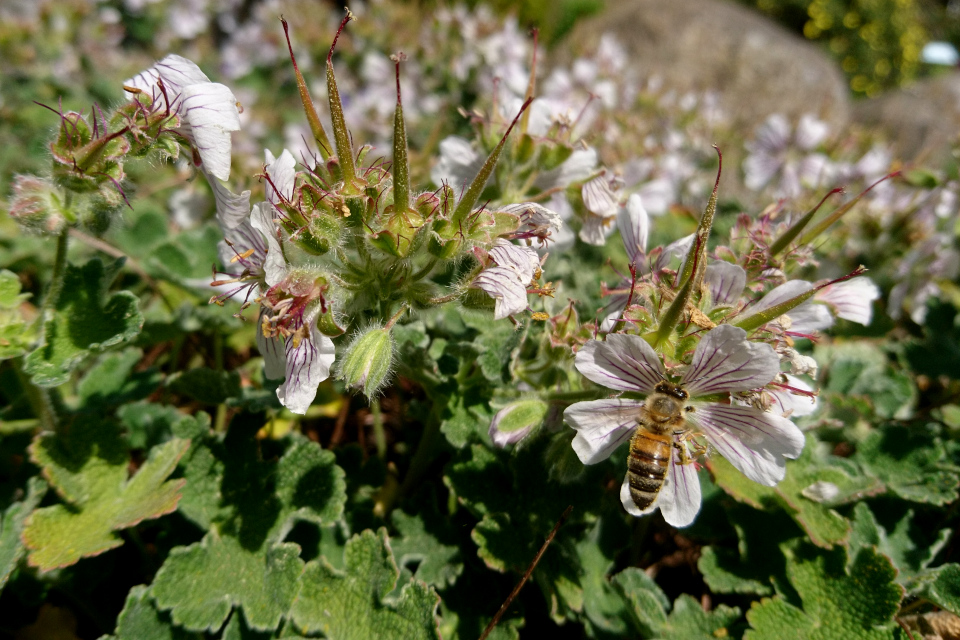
944,588
89,469
250,505
647,601
863,370
11,527
836,603
206,385
86,320
912,462
467,419
907,546
824,525
15,334
140,619
349,604
422,540
112,380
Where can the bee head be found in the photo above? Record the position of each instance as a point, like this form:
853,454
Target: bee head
672,390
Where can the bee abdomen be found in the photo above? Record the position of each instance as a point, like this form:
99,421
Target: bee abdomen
647,466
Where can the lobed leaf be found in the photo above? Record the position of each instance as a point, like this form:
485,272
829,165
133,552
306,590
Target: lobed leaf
89,469
85,321
349,604
11,527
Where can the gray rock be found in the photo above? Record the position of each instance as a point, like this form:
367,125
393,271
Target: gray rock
921,120
757,67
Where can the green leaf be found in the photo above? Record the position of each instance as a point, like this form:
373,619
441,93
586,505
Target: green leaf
467,419
89,470
647,601
140,619
428,538
350,604
86,320
687,620
825,526
15,334
250,506
835,603
112,380
944,587
206,385
912,462
11,527
860,369
148,424
907,546
603,605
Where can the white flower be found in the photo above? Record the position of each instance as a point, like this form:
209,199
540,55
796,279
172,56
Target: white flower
754,441
536,221
458,165
507,281
208,114
775,152
304,362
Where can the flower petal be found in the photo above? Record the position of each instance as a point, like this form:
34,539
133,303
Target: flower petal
232,208
282,172
275,265
679,499
237,242
725,361
274,358
624,362
602,426
788,404
599,198
809,317
522,259
579,166
725,281
755,442
852,299
595,229
210,113
781,293
503,284
459,163
634,225
307,365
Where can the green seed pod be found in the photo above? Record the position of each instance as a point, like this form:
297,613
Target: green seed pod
368,361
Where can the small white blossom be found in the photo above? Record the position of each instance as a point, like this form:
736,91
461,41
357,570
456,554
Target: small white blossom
506,282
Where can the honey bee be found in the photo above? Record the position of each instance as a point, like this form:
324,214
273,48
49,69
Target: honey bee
662,417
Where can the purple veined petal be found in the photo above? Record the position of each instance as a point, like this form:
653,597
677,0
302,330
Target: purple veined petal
759,168
811,132
755,442
629,505
676,249
815,169
579,166
782,293
634,225
178,73
307,365
232,208
210,111
624,362
599,198
772,136
602,426
810,317
726,361
852,299
657,196
283,173
725,281
790,405
237,242
680,497
503,284
534,216
522,259
146,81
459,163
274,356
595,230
274,265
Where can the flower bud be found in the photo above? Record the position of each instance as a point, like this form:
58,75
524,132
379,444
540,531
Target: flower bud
515,421
368,361
35,205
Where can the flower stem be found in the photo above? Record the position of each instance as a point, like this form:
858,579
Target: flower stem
39,398
56,282
379,435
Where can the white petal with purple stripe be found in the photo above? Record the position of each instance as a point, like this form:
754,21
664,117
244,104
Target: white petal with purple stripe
679,499
725,281
210,113
282,172
602,426
754,441
307,365
634,225
623,362
725,361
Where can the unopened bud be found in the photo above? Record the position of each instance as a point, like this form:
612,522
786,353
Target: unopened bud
517,420
368,361
35,205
